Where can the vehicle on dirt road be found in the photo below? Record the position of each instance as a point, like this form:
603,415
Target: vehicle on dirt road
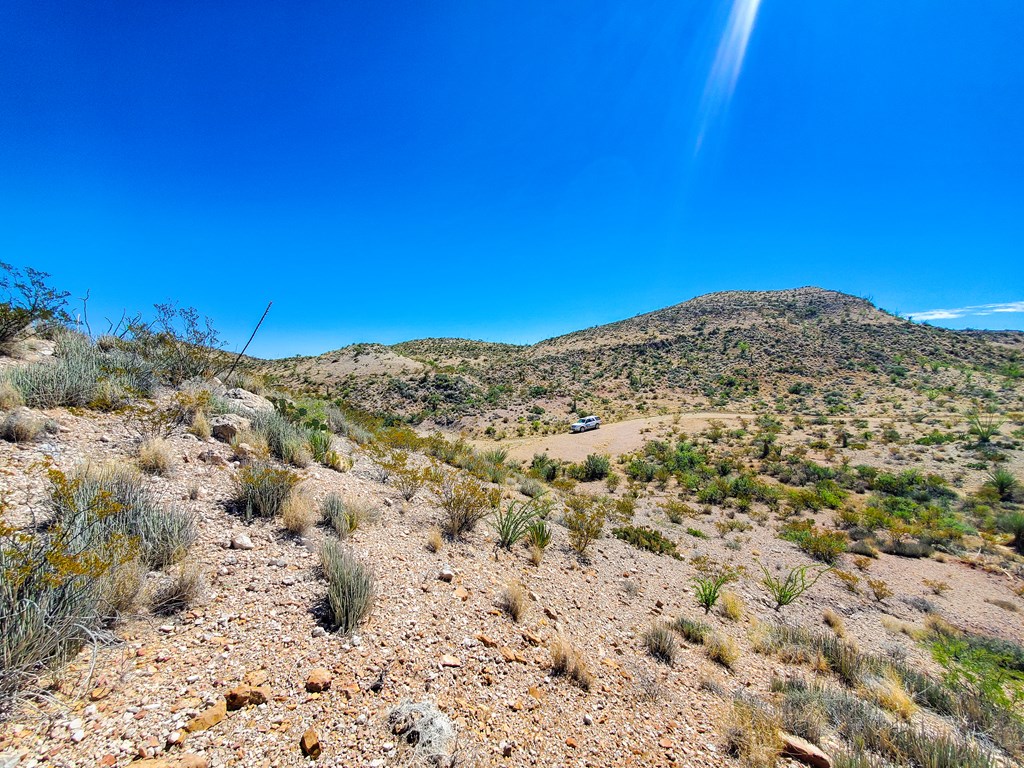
585,424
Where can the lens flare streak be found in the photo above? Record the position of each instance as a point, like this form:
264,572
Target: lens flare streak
725,70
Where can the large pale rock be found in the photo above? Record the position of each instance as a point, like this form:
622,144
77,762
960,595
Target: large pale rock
227,426
804,751
246,403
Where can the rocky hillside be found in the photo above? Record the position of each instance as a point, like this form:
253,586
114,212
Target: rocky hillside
735,349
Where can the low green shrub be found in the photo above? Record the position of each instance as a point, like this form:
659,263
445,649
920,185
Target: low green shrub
350,586
642,537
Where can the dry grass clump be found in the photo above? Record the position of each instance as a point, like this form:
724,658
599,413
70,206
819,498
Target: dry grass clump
513,601
250,444
22,426
902,628
200,426
1006,605
261,490
722,649
346,514
182,592
10,398
752,734
661,642
731,606
435,541
154,456
887,691
568,662
122,587
834,622
299,513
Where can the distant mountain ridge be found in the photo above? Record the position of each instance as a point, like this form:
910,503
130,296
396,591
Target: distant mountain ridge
721,348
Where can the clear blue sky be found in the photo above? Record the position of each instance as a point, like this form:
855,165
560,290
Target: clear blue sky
510,171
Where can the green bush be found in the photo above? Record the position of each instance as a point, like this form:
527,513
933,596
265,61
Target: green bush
642,537
692,631
641,470
261,490
161,536
787,590
595,468
59,584
287,441
25,299
822,545
661,643
708,587
585,518
350,586
464,502
1013,524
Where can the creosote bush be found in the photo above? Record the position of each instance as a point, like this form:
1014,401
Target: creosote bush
584,518
464,502
350,586
261,490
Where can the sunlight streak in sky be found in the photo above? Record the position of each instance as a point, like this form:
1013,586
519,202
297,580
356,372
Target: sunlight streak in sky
725,70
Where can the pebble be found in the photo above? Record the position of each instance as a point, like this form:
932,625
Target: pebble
242,541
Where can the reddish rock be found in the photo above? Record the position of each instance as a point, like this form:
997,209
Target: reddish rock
804,751
319,680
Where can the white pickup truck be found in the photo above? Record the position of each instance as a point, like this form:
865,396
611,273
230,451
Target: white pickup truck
585,424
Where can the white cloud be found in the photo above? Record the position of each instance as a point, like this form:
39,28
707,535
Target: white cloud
979,310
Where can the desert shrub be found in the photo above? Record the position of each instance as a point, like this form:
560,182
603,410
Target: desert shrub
822,545
513,522
200,426
181,592
752,734
154,456
1013,524
641,470
1003,483
162,536
887,691
623,508
435,541
544,467
568,662
692,631
786,590
298,512
10,398
879,589
350,586
642,537
594,467
708,587
677,511
464,502
286,441
584,518
983,425
261,490
721,649
850,580
731,606
697,533
660,642
26,299
22,426
408,482
53,584
513,601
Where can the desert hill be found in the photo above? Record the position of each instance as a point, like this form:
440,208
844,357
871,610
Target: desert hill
731,349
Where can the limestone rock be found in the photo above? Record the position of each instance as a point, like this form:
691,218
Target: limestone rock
242,541
226,426
246,403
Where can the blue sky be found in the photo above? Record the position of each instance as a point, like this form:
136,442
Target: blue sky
386,171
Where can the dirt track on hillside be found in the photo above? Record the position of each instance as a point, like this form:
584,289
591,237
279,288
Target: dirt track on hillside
612,439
